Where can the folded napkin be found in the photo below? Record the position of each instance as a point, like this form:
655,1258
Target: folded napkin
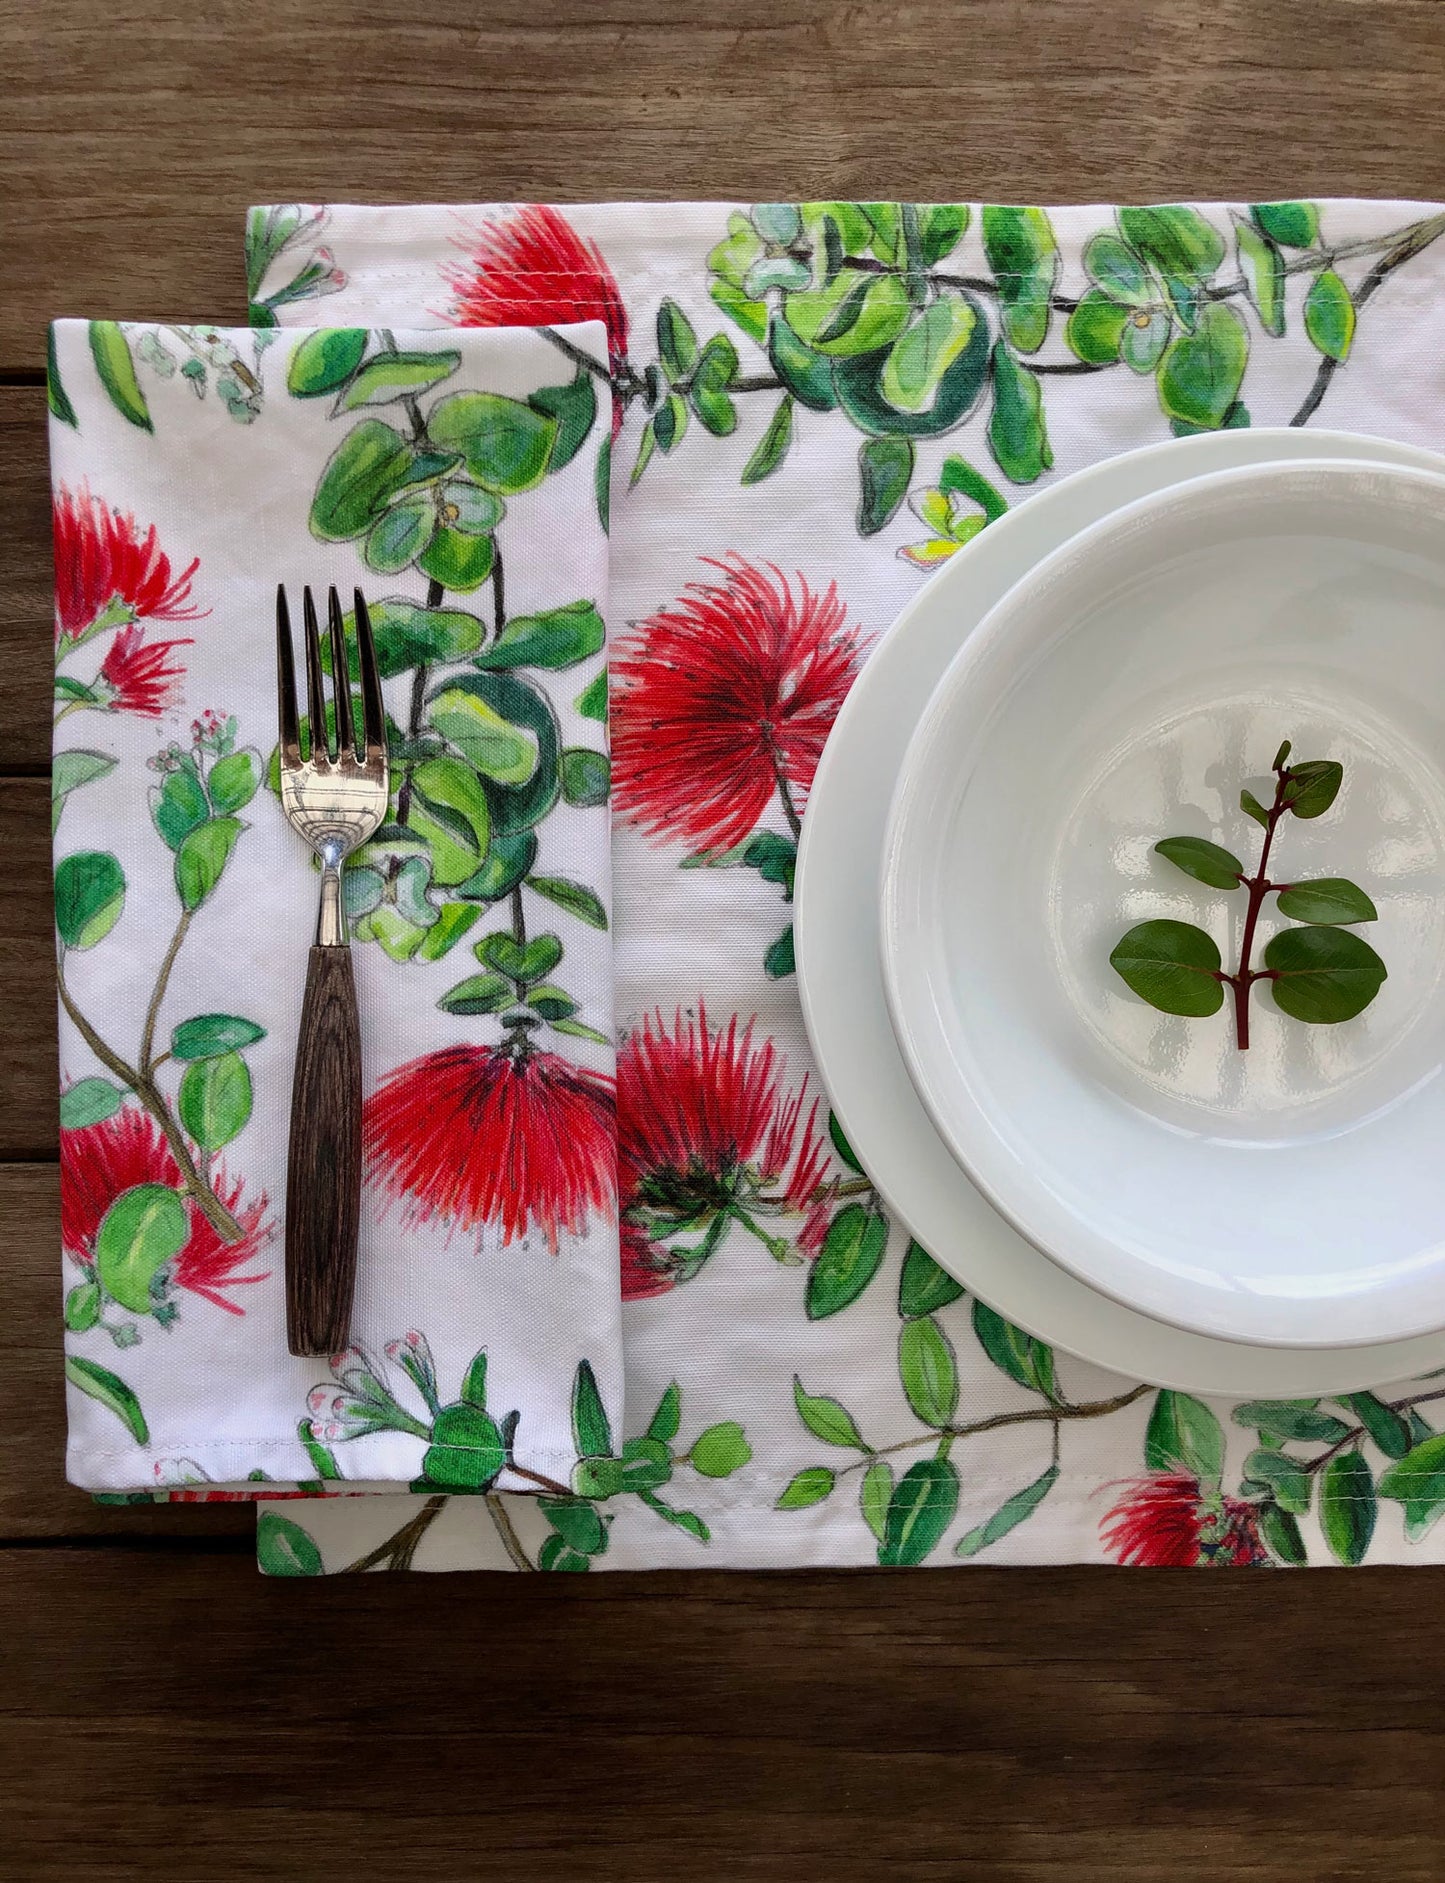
459,481
818,403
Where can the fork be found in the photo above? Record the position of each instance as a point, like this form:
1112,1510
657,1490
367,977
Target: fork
335,799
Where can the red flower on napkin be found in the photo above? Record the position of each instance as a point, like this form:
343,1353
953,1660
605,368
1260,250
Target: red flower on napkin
646,1269
1168,1521
141,678
724,700
99,1163
706,1138
492,1134
110,574
532,269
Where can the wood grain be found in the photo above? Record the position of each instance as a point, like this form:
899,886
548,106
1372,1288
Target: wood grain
1002,1725
984,1724
28,1124
25,588
323,1166
136,139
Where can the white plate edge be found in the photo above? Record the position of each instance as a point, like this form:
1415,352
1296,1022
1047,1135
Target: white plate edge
1187,1361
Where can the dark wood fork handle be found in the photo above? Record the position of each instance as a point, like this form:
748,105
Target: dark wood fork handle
323,1167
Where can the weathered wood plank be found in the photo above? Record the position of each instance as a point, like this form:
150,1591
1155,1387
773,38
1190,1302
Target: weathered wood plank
136,140
26,635
27,973
998,1724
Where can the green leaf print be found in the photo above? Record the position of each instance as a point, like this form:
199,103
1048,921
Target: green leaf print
559,638
863,313
848,1260
110,349
885,466
55,394
929,1371
1418,1482
721,1450
826,1418
89,1102
1347,1506
573,409
505,444
809,1487
1201,372
924,1287
325,360
1330,315
100,1384
202,858
772,447
1184,1434
214,1100
1024,256
590,1427
1016,434
89,897
209,1035
283,1548
68,772
370,465
467,1451
920,1510
1009,1515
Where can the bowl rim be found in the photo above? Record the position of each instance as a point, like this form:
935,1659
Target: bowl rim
982,645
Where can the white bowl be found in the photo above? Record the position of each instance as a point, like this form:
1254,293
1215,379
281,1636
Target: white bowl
1293,1195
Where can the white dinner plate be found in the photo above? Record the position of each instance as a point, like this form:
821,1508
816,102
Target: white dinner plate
1290,1194
840,978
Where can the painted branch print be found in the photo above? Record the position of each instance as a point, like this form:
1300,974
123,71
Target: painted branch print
902,322
148,1213
467,1450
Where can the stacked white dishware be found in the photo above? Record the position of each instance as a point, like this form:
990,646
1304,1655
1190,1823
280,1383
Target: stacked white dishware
1120,662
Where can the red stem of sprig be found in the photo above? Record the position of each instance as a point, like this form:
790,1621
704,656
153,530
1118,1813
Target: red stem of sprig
1259,887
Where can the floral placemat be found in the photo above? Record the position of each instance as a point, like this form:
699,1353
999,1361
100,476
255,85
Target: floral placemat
813,405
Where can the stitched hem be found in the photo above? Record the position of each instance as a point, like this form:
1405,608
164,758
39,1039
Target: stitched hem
228,1463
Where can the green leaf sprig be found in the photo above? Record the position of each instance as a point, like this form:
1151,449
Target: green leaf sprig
1318,972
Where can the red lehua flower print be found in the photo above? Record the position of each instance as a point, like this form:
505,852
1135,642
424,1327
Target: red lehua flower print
141,677
265,1494
207,1263
532,269
105,566
646,1269
99,1162
813,1234
703,1131
724,700
1167,1522
179,1481
480,1134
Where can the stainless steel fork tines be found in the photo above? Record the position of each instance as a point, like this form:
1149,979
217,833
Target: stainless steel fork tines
335,796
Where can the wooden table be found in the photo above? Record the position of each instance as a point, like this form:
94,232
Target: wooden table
163,1709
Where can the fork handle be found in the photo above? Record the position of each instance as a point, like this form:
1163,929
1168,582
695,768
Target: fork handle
323,1168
